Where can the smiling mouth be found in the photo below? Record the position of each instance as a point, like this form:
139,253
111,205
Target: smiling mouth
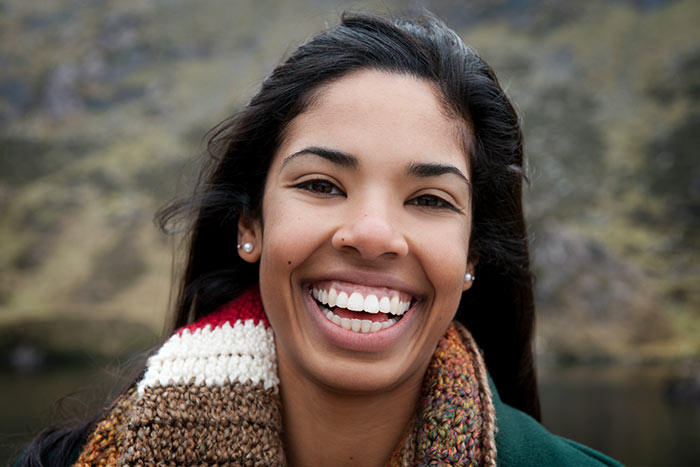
361,311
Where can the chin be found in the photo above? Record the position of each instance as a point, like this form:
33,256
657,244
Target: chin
359,377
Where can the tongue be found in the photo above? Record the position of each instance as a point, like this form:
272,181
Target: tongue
374,317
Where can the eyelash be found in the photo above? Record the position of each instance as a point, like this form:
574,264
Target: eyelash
431,202
427,201
313,185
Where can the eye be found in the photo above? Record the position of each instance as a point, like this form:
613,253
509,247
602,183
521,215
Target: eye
431,202
320,187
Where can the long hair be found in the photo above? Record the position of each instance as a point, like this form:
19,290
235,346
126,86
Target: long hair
498,309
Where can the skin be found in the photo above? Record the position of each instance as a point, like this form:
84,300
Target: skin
346,200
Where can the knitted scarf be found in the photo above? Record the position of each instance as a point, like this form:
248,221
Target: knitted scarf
210,396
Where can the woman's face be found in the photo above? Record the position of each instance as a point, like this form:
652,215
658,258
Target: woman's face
363,243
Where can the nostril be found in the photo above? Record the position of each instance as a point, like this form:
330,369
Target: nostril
370,241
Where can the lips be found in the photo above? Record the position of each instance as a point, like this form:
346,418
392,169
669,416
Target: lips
358,308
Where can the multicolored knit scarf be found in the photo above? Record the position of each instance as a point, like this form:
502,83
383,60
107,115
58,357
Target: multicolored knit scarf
210,396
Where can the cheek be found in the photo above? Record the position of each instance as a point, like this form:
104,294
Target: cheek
443,256
444,249
289,235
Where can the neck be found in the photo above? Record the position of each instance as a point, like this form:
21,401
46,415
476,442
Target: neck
326,427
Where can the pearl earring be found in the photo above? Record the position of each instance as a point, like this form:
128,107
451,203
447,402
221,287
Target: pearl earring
468,277
247,247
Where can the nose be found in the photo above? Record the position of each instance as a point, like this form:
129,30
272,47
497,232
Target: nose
372,229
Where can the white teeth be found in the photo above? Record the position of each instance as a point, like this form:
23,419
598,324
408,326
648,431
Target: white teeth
366,325
385,305
394,305
355,302
363,326
402,308
371,304
342,300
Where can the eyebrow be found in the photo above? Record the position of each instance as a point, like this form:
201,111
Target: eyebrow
416,169
433,170
336,157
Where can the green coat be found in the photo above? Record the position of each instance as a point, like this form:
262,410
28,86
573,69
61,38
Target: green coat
522,441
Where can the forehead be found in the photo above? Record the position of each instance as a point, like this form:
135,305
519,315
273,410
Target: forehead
380,113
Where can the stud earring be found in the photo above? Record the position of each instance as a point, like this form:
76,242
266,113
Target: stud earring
468,277
247,247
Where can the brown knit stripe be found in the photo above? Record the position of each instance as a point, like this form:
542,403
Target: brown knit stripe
187,424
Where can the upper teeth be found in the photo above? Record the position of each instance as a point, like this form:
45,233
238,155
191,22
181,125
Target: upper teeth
356,302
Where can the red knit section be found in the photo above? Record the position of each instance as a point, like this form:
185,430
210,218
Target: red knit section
247,306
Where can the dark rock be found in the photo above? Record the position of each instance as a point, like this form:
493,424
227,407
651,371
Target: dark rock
575,272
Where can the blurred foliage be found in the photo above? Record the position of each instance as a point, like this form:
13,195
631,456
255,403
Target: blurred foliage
104,104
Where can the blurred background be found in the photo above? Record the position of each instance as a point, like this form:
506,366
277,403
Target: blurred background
103,107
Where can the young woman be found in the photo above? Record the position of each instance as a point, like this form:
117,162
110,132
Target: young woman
358,288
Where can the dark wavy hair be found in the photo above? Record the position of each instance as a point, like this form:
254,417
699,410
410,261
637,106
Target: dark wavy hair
498,309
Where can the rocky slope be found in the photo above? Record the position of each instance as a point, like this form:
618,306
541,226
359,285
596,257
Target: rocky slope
103,106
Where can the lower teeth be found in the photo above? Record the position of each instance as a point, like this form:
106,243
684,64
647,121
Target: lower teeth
363,326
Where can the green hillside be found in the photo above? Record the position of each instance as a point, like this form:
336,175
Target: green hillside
104,104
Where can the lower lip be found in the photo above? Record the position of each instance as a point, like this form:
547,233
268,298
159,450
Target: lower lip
361,342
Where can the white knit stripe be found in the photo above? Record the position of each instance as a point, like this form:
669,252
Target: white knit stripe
240,353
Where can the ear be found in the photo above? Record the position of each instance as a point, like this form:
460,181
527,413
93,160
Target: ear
249,234
471,265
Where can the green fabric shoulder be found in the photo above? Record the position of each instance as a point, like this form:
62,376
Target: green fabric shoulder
523,441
